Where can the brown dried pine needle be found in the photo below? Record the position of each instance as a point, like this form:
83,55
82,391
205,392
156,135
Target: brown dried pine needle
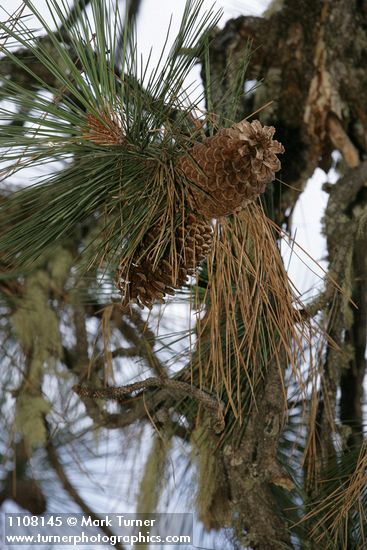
251,317
336,508
104,129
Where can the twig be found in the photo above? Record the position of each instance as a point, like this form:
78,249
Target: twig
143,341
211,403
134,7
126,352
319,302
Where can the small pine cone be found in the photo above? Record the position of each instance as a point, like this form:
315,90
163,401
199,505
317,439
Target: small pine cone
231,169
105,130
148,281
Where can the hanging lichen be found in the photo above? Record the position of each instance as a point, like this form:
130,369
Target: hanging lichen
153,478
212,498
29,417
36,327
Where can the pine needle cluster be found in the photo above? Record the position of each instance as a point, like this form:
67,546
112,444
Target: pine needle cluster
136,166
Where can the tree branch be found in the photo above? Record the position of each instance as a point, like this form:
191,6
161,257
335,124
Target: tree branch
175,387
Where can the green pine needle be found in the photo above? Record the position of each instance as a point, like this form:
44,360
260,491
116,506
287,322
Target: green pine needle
69,81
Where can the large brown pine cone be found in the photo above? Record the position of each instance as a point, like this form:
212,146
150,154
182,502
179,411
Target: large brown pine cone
148,279
231,169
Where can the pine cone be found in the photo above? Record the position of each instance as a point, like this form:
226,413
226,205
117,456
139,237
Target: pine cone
231,169
147,281
106,130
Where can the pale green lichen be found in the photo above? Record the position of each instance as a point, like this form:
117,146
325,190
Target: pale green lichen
35,323
29,418
59,267
36,327
211,498
153,478
274,7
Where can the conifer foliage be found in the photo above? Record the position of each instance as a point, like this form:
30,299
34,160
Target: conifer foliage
138,168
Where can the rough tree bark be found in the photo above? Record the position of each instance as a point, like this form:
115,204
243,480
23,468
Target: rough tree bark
309,56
